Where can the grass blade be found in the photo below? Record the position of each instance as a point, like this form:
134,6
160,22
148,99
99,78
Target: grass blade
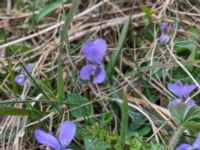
124,120
64,42
12,77
14,111
60,82
47,10
115,55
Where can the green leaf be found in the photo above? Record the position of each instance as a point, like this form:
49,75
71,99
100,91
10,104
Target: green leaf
184,46
192,57
14,111
146,10
178,112
115,55
192,125
47,10
193,34
94,144
137,120
124,120
149,32
188,118
193,114
107,117
82,111
145,130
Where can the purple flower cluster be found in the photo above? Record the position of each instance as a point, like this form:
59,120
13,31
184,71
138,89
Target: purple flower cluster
67,132
166,27
94,52
194,146
182,91
21,78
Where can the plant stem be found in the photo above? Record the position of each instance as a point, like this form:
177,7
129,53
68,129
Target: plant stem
174,140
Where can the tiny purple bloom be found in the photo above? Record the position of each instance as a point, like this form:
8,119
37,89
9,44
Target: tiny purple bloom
29,67
97,71
20,79
194,146
173,27
164,26
95,50
181,90
163,38
67,132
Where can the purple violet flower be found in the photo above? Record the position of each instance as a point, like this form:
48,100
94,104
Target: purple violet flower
29,67
94,52
21,78
67,132
165,27
194,146
182,91
163,38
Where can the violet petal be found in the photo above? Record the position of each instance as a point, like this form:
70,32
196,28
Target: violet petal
196,143
181,90
183,147
173,27
176,88
29,67
191,103
100,75
176,101
20,79
187,89
47,139
67,133
94,50
164,27
86,72
167,38
160,38
163,38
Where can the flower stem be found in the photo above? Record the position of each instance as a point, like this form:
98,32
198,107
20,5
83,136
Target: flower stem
174,140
